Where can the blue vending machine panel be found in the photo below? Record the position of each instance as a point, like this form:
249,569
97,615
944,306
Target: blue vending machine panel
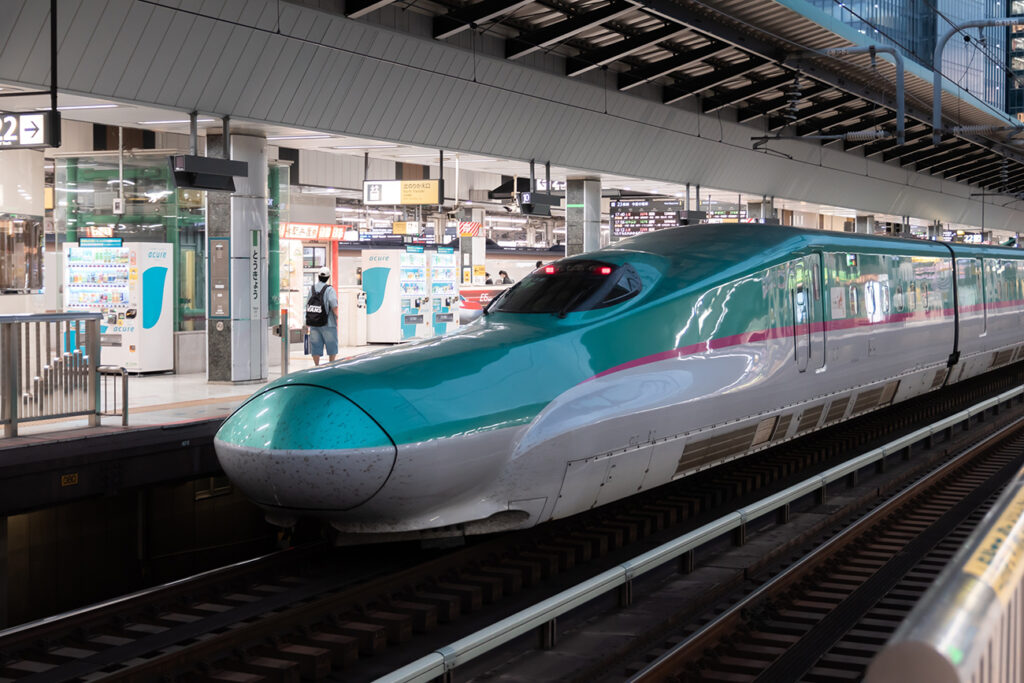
412,281
444,290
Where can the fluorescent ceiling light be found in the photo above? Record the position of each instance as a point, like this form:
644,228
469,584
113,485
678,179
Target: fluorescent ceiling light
410,156
153,123
477,161
298,137
362,146
82,106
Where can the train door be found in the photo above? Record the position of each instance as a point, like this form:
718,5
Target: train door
808,318
813,264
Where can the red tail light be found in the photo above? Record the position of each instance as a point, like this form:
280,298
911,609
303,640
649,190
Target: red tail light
605,270
549,270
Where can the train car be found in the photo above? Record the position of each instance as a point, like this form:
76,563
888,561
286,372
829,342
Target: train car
609,373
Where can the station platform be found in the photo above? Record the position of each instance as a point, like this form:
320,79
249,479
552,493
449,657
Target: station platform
171,424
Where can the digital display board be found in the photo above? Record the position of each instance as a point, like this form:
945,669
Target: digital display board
635,216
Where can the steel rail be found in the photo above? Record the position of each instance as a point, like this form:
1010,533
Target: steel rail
40,628
441,661
727,620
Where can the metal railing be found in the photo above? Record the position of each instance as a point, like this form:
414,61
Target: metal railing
542,616
968,625
109,393
48,368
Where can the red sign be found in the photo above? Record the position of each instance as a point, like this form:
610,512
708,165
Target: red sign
319,231
475,298
469,228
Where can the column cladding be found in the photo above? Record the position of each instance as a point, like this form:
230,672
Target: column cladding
237,348
582,215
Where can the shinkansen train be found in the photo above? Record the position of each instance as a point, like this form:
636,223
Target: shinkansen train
612,372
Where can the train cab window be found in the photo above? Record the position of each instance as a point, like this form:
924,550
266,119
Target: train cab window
570,286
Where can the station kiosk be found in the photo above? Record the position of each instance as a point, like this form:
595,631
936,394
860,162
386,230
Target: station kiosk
131,285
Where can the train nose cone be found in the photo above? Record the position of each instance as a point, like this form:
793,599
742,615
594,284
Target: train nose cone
305,448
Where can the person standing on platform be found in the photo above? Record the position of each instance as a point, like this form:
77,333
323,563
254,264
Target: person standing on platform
322,318
503,278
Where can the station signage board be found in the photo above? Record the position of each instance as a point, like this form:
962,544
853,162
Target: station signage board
399,192
25,130
635,216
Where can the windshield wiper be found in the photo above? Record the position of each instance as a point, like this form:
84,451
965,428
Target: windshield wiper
572,302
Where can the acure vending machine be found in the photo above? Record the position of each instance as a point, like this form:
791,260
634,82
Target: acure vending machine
444,290
410,293
131,286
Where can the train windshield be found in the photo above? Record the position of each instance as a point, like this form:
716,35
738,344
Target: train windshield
569,286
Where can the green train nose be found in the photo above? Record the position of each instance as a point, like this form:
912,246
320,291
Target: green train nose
305,447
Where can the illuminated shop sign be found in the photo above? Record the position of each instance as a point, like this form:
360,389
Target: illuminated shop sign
320,231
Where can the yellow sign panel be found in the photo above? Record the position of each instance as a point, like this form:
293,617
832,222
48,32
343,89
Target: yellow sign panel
420,192
69,479
997,561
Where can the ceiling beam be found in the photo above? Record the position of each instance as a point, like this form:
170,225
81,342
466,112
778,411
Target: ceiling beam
923,156
841,116
682,89
764,108
531,41
959,163
458,20
360,8
990,178
965,174
663,67
960,156
817,107
593,59
908,149
726,98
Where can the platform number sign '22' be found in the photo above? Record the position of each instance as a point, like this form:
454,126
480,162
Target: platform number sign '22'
23,130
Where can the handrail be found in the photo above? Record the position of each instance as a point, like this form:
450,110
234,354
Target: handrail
48,367
122,372
444,659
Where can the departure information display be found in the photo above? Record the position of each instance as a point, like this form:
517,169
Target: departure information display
634,216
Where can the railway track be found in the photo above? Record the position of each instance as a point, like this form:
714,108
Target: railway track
825,618
294,620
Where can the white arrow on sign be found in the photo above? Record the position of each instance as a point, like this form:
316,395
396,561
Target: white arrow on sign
32,129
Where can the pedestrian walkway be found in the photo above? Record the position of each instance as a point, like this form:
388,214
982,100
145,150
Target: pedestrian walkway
160,399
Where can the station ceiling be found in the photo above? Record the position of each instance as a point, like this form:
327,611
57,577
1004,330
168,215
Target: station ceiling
753,61
755,57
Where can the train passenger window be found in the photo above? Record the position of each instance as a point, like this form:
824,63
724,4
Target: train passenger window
569,286
801,305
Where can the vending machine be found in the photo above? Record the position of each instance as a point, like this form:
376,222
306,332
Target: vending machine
410,293
444,290
397,300
131,285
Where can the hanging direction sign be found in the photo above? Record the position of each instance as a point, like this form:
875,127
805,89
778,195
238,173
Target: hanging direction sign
21,130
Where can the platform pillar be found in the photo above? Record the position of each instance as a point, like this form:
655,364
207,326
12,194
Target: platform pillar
582,215
864,225
237,343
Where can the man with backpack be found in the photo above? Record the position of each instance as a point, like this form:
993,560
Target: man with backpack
322,318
